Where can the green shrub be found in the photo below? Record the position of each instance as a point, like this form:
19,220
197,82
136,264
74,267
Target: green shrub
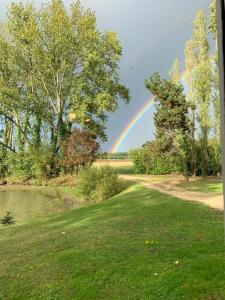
41,159
98,184
214,158
149,160
138,158
8,219
33,164
19,167
163,164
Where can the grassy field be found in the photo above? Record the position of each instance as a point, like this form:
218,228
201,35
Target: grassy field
123,166
138,245
116,163
204,185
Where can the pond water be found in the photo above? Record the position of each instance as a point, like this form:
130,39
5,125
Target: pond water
24,205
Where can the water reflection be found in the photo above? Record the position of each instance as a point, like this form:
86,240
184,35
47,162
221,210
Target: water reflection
24,205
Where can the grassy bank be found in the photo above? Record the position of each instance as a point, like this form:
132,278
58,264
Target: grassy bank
138,245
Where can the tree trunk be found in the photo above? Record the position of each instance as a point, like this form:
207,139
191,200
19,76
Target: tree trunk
194,159
204,151
37,133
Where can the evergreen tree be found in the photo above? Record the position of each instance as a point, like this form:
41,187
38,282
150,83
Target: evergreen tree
171,118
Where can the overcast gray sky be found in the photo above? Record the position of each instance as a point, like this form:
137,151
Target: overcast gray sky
152,34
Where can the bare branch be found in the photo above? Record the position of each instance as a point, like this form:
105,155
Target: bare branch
8,147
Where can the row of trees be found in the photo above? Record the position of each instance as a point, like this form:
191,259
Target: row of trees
117,155
187,124
57,72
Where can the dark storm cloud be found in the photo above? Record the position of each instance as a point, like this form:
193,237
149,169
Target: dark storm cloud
152,34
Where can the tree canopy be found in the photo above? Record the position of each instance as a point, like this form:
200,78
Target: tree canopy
57,72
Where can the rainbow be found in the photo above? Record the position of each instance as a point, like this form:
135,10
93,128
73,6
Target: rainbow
131,125
135,120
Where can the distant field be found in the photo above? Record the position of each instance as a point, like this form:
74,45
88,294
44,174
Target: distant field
122,166
116,163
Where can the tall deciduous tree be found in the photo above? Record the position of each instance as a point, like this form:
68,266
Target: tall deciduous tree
215,82
212,19
190,63
59,72
215,70
175,72
202,83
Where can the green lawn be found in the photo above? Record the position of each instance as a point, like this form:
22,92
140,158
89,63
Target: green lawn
138,245
213,186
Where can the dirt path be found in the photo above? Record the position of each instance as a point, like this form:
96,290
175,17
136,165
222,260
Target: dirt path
170,187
